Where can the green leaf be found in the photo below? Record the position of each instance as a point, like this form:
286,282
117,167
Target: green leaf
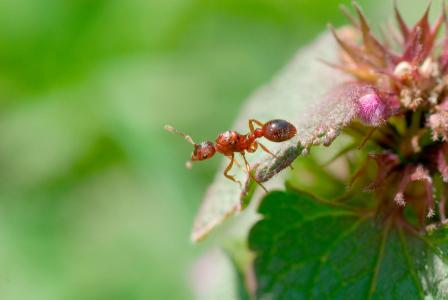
298,94
310,249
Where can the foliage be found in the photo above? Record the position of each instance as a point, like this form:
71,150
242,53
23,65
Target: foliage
94,200
311,249
390,96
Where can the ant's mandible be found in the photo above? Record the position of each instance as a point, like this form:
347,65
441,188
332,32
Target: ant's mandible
230,142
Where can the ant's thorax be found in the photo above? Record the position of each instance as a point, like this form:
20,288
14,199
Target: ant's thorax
230,142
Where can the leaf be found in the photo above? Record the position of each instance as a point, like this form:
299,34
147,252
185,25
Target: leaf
299,94
308,249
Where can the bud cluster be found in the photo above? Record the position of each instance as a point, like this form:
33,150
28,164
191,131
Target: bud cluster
404,79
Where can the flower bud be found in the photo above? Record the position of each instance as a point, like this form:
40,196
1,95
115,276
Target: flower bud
403,70
371,109
428,68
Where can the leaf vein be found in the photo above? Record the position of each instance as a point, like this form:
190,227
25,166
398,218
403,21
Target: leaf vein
410,264
378,261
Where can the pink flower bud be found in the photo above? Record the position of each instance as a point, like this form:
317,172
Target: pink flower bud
371,109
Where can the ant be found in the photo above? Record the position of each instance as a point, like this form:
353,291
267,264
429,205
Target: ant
230,142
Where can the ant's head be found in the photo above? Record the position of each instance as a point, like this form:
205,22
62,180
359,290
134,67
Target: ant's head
201,151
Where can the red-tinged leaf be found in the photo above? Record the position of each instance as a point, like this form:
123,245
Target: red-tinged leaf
444,54
299,94
371,43
385,163
419,42
355,53
349,16
405,31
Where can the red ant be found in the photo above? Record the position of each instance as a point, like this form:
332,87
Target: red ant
230,142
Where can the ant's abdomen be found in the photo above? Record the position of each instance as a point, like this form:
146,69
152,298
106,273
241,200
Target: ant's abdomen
278,130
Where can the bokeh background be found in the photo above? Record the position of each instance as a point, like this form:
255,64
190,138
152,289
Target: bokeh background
95,202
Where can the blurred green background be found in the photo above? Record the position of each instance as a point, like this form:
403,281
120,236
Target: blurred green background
95,202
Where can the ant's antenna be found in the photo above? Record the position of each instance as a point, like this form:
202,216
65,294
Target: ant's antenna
188,138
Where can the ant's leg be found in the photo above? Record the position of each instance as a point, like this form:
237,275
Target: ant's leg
250,173
251,124
238,165
226,171
267,151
